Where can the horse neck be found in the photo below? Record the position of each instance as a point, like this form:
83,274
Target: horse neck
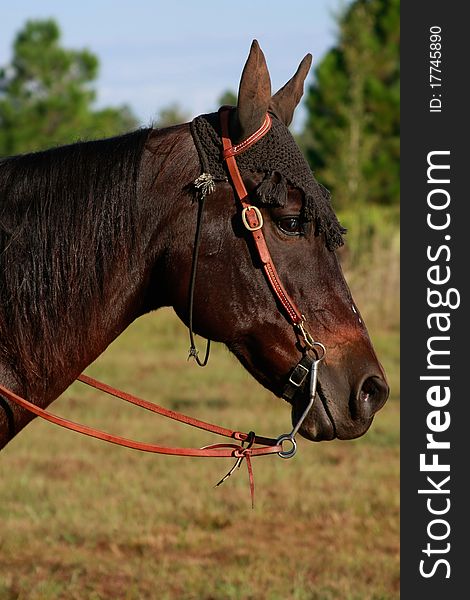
126,292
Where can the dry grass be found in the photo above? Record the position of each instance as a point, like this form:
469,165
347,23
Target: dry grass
81,519
371,263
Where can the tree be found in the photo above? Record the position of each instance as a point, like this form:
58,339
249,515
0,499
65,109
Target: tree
228,98
352,129
172,114
46,95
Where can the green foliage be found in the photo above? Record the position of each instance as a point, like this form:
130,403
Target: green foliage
352,142
46,95
228,98
172,114
352,130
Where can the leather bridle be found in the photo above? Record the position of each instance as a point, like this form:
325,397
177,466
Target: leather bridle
253,222
249,444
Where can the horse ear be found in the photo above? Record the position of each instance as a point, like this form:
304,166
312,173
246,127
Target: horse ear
254,95
284,102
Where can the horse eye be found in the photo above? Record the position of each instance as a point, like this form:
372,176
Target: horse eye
290,225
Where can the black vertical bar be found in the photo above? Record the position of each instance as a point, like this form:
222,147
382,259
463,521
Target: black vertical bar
435,260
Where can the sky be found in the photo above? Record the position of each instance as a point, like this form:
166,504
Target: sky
153,54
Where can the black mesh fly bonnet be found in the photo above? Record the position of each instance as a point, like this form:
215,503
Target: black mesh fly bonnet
275,153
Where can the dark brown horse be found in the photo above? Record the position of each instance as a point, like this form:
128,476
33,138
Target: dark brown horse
96,234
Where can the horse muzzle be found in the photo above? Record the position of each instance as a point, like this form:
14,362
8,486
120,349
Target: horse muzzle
338,410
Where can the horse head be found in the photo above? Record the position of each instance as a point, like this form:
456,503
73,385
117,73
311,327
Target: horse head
233,302
95,234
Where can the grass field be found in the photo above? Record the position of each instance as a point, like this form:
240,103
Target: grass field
81,519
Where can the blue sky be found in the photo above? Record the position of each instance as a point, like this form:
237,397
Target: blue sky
155,53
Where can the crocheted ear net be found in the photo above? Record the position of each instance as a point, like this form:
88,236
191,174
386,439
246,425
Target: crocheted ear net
275,153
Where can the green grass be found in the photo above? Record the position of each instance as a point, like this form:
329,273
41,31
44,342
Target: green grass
81,519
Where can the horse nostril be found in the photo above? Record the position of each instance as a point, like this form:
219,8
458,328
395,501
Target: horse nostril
372,395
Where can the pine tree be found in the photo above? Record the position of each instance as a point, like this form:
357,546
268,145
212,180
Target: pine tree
352,130
46,95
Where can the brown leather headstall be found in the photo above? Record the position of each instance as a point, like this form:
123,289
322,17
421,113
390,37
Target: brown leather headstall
253,221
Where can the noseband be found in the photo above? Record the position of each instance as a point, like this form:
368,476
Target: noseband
249,444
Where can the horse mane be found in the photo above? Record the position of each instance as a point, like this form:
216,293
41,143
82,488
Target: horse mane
66,215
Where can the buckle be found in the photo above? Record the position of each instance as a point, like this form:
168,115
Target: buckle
298,375
258,214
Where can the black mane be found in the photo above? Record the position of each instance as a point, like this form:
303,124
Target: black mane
65,215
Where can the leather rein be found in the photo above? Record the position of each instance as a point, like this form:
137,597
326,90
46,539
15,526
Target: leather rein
244,445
